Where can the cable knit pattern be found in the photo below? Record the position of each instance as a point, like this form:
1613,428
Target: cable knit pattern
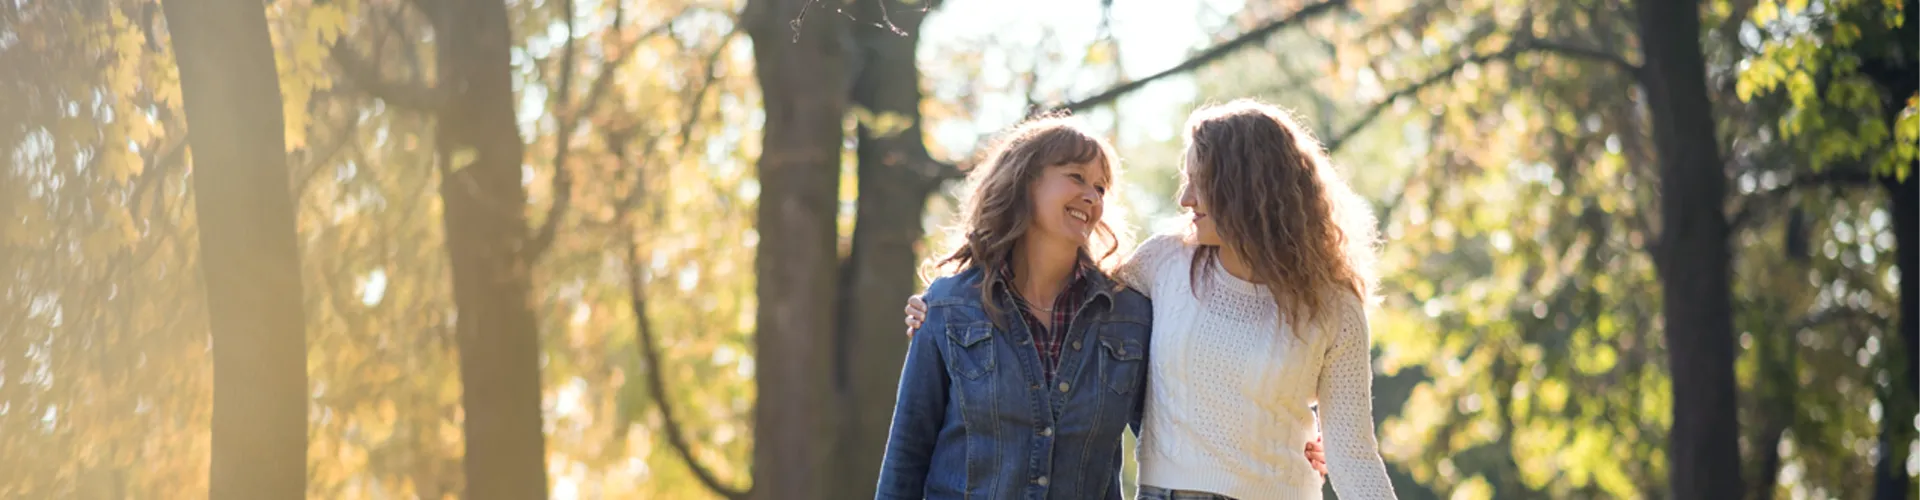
1229,388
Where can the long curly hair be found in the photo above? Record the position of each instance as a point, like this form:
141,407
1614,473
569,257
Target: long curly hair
999,204
1278,203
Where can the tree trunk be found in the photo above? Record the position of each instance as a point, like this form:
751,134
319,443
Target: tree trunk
1694,259
249,253
1895,76
896,175
486,224
1896,428
803,81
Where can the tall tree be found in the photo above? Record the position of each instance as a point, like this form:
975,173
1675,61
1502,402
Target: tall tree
487,236
1844,95
1692,258
896,175
250,256
802,66
479,156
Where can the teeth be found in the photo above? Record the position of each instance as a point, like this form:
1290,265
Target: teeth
1082,216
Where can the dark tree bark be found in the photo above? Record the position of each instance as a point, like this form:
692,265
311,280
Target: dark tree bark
1896,429
896,175
1898,76
803,75
249,253
1694,258
487,234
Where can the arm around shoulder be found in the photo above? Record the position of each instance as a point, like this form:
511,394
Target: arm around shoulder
1137,270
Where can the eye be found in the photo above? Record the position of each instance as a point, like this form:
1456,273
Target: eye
1077,178
1101,189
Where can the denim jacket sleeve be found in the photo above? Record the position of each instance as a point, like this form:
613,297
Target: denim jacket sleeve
918,414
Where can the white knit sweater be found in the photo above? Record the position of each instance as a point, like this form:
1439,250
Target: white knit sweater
1229,388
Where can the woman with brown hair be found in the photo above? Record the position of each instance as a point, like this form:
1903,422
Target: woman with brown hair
1259,312
1032,358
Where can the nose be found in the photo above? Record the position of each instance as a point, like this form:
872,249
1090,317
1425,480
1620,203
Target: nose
1187,199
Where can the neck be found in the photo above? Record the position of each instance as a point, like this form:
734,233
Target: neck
1236,265
1041,268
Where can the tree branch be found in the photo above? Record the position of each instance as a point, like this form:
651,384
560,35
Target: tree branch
1206,56
365,75
569,117
562,187
1752,204
685,136
1588,53
657,387
1839,314
1507,54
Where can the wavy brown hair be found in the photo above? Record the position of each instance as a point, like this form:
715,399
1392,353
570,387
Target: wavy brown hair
999,204
1277,202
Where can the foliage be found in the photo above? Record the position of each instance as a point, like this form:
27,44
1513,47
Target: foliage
1502,142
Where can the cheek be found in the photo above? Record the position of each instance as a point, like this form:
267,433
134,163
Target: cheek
1052,193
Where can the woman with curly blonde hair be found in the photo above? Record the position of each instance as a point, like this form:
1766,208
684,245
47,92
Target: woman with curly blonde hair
1259,313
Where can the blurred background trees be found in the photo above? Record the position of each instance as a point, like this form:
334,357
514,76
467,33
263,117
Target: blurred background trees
543,244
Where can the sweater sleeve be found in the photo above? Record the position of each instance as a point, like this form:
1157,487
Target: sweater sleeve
1346,407
1137,270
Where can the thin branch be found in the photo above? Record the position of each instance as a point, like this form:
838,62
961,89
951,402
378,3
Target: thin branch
657,387
1207,56
1751,204
316,158
365,75
603,81
1372,113
1839,314
562,186
685,136
1588,53
1507,54
569,121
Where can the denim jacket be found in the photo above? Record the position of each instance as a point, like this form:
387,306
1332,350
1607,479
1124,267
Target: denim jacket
975,417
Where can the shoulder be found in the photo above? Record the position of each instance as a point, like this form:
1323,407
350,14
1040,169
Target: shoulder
1126,298
1131,305
1162,246
1344,316
960,288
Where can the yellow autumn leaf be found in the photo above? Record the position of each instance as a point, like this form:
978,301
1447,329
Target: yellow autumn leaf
327,22
461,157
1765,13
293,108
99,243
117,163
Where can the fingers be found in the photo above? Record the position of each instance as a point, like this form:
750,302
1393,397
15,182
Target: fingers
916,312
1317,456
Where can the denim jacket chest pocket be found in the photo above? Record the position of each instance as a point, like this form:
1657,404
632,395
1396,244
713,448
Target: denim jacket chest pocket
972,346
1123,351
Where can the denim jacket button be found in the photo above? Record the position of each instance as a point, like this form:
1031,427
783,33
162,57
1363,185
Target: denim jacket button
1041,481
1063,387
1047,432
1076,345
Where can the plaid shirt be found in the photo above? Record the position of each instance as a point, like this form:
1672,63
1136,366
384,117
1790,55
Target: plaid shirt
1049,337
